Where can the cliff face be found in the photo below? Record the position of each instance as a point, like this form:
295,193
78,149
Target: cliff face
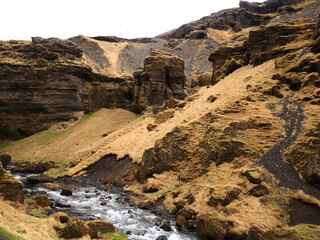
40,84
46,81
162,78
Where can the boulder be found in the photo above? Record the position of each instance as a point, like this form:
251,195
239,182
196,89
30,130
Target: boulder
66,192
253,176
162,237
166,226
52,186
259,191
5,159
210,227
151,127
162,78
39,179
10,188
231,195
61,217
99,227
75,228
34,167
42,201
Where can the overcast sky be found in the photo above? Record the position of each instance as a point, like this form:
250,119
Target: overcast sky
22,19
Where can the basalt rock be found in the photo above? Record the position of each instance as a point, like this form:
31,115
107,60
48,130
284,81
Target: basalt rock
10,188
161,78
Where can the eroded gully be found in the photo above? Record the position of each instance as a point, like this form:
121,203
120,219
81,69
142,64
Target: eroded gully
293,115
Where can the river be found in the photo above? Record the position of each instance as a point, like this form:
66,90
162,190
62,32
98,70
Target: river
90,202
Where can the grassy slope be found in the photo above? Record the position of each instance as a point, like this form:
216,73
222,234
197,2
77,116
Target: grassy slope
67,146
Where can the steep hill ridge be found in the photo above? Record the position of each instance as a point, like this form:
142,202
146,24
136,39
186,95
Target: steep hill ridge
195,148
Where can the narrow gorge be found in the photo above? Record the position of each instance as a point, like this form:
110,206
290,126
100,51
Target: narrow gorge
207,131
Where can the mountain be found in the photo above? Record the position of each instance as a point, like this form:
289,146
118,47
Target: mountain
217,120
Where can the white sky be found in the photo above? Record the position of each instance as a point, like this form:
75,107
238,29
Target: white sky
22,19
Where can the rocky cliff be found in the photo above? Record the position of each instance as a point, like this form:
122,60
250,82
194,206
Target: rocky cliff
162,78
237,159
46,81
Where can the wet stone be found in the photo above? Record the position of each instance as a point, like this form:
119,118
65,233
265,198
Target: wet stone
162,237
66,192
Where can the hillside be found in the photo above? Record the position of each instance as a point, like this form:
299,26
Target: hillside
216,121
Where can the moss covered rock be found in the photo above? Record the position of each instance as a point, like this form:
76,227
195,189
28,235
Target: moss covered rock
75,228
10,188
298,232
99,227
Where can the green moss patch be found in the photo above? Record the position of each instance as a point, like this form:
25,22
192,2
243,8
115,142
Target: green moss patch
4,235
115,236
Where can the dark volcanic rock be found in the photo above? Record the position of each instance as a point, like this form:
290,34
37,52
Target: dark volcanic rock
5,159
66,192
162,78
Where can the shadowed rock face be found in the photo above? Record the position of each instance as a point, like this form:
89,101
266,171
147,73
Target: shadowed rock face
267,6
236,19
40,83
162,78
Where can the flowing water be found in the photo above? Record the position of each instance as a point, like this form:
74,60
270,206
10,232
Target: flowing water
89,202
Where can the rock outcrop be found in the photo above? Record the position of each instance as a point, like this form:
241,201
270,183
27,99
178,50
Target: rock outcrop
10,188
162,78
269,6
262,45
235,19
305,156
47,81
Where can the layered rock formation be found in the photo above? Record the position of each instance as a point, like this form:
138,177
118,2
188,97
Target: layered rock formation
262,45
162,78
46,81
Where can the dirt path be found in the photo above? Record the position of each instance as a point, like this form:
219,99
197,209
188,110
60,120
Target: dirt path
292,114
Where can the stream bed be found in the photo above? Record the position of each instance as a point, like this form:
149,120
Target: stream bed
90,202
